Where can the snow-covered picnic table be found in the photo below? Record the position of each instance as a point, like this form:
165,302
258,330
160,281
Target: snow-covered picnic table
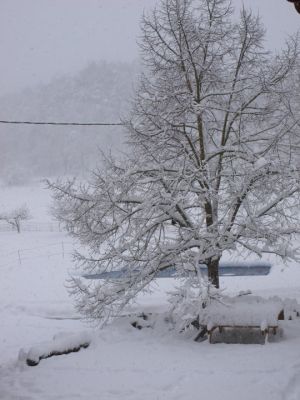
250,312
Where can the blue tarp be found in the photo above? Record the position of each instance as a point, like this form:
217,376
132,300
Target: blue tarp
225,269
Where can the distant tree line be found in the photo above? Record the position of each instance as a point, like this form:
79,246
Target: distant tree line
100,92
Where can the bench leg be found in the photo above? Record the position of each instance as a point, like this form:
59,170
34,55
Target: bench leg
201,335
210,334
265,333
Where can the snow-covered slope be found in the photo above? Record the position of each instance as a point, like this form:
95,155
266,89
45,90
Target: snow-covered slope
123,362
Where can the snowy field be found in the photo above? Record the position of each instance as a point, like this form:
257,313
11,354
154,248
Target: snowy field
123,362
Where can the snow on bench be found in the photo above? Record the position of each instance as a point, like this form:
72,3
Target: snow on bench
251,312
61,344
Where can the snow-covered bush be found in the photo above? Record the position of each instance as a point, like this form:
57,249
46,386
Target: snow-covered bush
189,301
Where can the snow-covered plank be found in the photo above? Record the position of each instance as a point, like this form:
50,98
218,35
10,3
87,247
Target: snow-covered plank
61,344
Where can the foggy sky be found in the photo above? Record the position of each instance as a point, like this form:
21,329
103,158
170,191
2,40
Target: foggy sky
40,39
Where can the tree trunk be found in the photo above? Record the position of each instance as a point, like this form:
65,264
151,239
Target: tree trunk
213,272
18,224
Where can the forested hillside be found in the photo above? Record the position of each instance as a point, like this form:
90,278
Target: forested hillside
100,92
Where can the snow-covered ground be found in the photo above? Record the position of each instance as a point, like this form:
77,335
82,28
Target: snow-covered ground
122,362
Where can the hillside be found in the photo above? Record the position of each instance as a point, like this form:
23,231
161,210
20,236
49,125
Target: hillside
100,92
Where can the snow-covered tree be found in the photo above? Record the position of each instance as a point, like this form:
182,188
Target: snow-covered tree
211,166
15,217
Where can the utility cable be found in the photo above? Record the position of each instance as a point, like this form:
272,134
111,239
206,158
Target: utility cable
61,123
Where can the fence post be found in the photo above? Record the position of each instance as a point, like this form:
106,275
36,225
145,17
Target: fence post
63,249
19,255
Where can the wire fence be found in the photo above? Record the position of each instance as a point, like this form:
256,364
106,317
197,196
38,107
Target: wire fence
61,250
32,226
18,256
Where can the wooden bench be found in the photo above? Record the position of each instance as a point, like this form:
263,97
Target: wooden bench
265,332
241,312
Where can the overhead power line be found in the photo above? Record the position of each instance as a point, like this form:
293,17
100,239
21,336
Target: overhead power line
62,123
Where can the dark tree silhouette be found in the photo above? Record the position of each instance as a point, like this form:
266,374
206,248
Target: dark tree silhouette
296,4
